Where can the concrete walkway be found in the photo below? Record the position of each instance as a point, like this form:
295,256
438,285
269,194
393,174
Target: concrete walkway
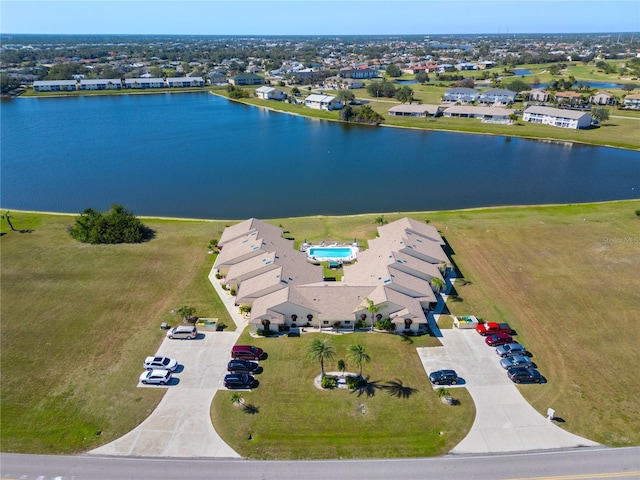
504,421
180,426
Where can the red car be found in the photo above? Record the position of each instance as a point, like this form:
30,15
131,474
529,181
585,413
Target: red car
246,352
498,339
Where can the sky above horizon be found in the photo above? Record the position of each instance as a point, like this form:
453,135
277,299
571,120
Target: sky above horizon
318,17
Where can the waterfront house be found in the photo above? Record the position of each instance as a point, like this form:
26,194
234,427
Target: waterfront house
101,84
339,83
323,102
482,113
411,110
55,85
144,83
461,94
269,93
499,96
557,117
570,98
538,95
244,79
603,98
632,101
183,82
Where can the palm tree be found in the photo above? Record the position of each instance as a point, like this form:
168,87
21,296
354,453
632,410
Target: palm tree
7,216
372,308
437,283
380,220
358,355
342,366
320,350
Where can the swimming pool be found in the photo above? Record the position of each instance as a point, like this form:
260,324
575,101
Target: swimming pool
333,253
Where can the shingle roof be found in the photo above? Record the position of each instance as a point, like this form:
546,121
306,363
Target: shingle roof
555,112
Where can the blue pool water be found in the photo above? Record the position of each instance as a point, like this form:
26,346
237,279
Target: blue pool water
337,253
522,71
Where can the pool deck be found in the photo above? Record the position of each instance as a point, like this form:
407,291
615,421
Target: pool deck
353,248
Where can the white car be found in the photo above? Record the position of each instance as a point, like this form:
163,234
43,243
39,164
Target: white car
155,377
160,363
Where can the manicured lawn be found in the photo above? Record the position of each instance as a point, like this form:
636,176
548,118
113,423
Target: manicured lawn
295,420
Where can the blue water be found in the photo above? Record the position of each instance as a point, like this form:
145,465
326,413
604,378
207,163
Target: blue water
330,252
198,155
522,71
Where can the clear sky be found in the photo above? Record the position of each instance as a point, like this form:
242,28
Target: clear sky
318,17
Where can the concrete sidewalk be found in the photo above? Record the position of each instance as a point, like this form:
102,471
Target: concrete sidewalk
505,422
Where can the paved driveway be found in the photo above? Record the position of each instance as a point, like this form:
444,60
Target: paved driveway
180,426
504,421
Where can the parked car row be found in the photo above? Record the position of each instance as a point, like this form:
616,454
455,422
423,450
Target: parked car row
516,360
242,366
158,370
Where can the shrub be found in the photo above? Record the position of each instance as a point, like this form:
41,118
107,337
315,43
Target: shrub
218,276
385,324
233,292
354,382
360,324
638,213
117,225
265,333
329,381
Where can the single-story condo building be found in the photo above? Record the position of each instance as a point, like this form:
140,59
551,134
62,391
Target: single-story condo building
461,94
55,85
283,290
483,113
323,102
557,117
412,110
269,93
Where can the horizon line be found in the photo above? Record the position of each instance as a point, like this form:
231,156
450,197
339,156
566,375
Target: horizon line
328,34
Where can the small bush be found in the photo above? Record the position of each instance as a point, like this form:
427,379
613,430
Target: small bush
638,213
329,381
218,276
233,292
360,324
354,382
265,333
385,324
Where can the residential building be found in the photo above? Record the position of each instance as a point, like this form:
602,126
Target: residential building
498,96
182,82
144,83
55,85
269,93
570,98
361,73
346,83
538,95
323,102
101,84
557,117
461,94
244,79
632,101
412,110
483,113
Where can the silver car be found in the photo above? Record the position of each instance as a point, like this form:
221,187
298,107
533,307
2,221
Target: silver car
155,377
160,363
516,361
512,349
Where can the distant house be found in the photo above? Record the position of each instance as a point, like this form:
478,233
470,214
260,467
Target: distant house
483,113
571,98
538,95
144,83
217,78
466,66
557,117
343,83
486,64
55,85
361,73
498,96
415,110
101,84
269,93
176,82
323,102
603,98
632,101
461,94
246,79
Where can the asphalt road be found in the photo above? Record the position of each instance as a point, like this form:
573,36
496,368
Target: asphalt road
581,463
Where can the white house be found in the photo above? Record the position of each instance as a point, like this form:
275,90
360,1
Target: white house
461,94
323,102
55,85
269,93
498,96
538,95
557,117
483,113
632,101
101,84
174,82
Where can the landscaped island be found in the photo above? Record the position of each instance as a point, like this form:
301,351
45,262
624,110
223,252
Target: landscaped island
532,267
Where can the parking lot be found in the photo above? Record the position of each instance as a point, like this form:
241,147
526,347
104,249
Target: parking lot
505,422
181,424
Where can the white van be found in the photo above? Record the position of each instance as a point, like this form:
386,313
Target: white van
183,331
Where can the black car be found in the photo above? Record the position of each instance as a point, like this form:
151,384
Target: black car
524,375
242,366
446,377
238,380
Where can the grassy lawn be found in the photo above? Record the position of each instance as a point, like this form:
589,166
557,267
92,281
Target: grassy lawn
295,420
77,320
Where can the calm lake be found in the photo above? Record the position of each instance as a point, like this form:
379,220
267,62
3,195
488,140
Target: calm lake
198,155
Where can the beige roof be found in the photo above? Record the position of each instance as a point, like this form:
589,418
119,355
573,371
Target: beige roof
568,94
555,112
335,301
419,267
244,228
396,228
259,285
239,250
415,287
250,267
430,109
471,110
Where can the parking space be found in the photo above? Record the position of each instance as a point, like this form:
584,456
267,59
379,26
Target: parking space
505,422
181,424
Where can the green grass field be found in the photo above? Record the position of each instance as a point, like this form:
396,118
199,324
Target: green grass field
77,320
